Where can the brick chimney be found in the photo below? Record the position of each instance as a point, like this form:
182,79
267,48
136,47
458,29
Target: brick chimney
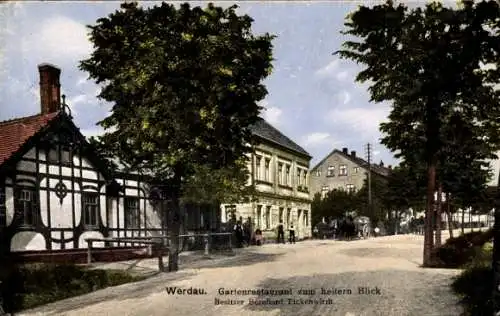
345,151
353,154
50,88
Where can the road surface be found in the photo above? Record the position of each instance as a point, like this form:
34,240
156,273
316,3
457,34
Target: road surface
373,277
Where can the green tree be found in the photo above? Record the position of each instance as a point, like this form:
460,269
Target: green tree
427,63
334,205
379,209
184,83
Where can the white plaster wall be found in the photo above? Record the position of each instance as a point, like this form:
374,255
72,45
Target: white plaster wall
41,167
78,204
21,177
88,174
86,163
31,154
26,166
66,171
131,192
90,234
27,241
9,204
68,245
264,187
112,202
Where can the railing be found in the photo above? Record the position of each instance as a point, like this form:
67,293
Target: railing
206,242
160,246
187,242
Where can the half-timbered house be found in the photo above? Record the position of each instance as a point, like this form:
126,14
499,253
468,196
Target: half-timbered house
55,191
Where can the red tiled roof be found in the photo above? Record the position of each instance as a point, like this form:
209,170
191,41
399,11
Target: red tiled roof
14,133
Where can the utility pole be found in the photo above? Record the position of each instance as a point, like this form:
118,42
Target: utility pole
369,160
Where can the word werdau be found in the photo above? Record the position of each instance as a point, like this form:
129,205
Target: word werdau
172,290
276,292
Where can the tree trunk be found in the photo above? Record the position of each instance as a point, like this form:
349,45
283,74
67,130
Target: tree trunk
496,252
438,216
463,221
470,220
428,225
448,215
174,232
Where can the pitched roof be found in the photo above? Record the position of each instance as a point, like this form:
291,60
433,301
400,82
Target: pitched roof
14,133
268,132
383,171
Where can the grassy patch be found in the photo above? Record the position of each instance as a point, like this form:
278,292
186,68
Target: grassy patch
464,250
31,285
475,287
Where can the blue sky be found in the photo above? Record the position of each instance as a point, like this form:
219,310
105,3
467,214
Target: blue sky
312,98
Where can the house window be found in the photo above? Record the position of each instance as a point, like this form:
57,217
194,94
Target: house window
298,176
230,212
25,206
330,171
306,218
280,218
268,217
305,179
259,216
280,173
324,191
59,154
343,170
355,169
350,188
90,208
132,213
266,171
287,175
258,167
318,173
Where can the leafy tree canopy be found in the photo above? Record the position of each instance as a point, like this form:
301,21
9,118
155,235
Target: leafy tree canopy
184,83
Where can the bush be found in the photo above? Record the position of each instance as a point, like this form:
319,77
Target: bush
475,286
31,285
462,250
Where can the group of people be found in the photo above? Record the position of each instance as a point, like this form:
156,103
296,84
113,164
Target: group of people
281,233
245,236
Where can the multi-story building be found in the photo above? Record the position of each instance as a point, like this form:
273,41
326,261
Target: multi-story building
342,170
279,172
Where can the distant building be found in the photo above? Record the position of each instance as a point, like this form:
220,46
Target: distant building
342,170
279,171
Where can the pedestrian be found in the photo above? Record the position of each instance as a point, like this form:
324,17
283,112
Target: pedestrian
238,231
281,233
291,233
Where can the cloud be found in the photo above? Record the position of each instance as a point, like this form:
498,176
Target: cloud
342,76
361,122
330,69
345,97
96,131
58,39
317,139
271,114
